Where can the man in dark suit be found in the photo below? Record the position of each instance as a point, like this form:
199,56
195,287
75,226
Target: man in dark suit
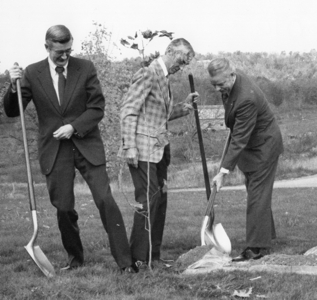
255,146
69,103
147,107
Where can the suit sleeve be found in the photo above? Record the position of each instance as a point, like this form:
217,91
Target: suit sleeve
132,105
245,120
10,100
94,106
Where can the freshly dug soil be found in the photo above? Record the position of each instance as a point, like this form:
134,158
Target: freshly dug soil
273,260
286,260
191,257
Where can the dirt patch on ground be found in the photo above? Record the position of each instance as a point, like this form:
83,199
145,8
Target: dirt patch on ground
286,260
202,260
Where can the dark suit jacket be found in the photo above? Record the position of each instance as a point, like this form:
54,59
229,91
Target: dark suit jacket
83,108
255,135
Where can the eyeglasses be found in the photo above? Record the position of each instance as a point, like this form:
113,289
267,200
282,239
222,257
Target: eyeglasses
61,52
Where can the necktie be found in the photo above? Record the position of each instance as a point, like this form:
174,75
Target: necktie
61,83
226,105
224,97
169,90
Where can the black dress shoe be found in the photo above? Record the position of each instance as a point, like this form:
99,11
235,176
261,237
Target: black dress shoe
69,267
248,254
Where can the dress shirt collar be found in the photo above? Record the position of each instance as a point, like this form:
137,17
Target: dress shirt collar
162,64
53,66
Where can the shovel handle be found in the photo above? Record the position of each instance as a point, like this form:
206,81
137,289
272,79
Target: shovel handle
26,149
210,205
200,139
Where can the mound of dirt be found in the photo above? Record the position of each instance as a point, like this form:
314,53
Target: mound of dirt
191,257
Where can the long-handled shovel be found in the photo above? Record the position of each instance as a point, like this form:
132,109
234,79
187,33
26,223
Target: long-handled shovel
207,228
200,139
210,233
34,251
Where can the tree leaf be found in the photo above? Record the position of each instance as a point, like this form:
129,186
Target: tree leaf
130,37
135,46
153,35
167,34
147,34
124,42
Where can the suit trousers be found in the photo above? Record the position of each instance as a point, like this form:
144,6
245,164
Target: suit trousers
60,183
139,240
260,228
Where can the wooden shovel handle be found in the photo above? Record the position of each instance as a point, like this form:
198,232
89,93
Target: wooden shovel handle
200,139
26,149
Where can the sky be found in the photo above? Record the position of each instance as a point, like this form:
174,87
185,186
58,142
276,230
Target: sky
211,26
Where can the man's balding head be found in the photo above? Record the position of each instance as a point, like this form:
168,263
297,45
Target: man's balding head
220,66
222,74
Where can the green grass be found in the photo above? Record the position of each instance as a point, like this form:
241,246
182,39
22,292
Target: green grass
295,218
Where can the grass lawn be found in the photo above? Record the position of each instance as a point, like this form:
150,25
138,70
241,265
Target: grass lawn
295,219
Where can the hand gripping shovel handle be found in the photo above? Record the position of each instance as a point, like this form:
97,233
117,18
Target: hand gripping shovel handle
200,139
209,209
26,149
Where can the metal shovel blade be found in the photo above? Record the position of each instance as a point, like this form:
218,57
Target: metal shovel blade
37,254
211,234
218,237
41,260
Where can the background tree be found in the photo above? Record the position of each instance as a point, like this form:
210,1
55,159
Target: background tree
114,79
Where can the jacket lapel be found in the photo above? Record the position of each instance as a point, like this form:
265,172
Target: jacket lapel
71,82
163,83
44,76
232,98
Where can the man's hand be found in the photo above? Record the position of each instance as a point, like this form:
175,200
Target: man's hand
188,103
15,72
64,132
218,180
132,156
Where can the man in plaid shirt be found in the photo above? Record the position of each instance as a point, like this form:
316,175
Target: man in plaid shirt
146,108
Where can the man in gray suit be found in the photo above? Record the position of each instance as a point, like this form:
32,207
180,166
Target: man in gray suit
255,146
69,103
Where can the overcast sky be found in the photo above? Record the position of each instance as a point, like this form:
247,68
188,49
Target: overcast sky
210,25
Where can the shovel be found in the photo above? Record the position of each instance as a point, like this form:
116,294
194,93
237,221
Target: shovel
34,251
200,139
210,233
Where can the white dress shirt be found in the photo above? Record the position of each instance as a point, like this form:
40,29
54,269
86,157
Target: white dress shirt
162,64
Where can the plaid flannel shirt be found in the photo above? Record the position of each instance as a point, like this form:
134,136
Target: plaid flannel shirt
145,110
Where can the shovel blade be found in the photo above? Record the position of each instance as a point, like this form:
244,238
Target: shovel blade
217,236
41,260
